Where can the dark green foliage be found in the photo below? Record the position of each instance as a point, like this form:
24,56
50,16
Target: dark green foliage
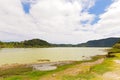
110,55
25,44
1,44
117,46
35,43
114,49
63,45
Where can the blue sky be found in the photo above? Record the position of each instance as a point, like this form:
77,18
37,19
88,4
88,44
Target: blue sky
26,7
99,8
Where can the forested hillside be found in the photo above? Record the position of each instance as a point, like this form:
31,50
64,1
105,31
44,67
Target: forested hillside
25,44
108,42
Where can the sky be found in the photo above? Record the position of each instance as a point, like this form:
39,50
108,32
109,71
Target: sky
59,21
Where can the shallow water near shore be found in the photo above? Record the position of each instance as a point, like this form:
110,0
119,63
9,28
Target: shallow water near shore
35,55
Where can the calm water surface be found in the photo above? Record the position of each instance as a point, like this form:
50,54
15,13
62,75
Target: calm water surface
32,55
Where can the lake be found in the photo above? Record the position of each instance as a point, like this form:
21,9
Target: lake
32,55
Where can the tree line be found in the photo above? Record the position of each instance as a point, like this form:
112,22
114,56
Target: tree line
25,44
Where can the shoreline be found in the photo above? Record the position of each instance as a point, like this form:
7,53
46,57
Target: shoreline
56,63
10,71
43,64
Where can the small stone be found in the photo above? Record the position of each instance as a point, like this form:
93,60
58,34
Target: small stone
53,75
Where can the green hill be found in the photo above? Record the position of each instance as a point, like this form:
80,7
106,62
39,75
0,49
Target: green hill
108,42
35,43
115,48
117,45
25,44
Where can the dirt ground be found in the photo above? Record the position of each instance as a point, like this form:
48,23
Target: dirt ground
80,68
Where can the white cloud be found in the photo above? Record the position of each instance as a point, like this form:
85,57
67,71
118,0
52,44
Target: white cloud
60,18
57,21
109,23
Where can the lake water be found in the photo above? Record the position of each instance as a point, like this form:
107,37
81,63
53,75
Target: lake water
32,55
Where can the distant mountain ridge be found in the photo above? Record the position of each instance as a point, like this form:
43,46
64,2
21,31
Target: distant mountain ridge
108,42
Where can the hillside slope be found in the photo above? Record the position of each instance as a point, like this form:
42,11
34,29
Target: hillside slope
108,42
25,44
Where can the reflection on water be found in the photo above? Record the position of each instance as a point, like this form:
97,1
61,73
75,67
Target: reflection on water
32,55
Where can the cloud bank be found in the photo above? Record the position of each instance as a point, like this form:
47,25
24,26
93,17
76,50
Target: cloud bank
57,21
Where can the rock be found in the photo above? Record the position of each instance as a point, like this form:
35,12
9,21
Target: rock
53,75
117,61
111,76
44,67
